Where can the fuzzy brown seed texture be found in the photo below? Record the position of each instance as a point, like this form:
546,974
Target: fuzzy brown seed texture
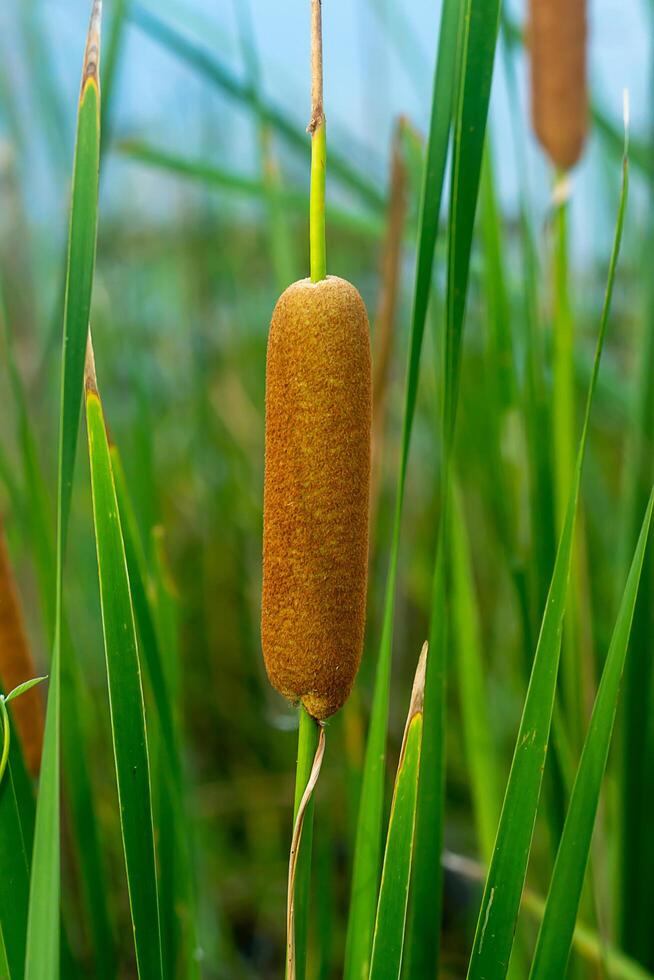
17,665
316,493
559,99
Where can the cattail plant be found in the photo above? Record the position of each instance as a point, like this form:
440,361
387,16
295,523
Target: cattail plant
317,473
316,499
559,100
318,418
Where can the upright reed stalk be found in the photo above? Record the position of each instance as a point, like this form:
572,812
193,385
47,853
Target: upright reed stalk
317,246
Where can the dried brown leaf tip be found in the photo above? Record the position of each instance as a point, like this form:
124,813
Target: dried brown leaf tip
316,493
418,690
91,70
90,378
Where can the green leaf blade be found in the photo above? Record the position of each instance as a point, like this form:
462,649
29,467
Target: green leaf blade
508,868
14,860
24,687
557,928
42,954
128,724
367,851
388,942
476,44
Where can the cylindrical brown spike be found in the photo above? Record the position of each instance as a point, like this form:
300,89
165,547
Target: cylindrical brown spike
17,665
316,495
559,100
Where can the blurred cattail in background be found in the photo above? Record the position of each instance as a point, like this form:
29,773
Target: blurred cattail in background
559,100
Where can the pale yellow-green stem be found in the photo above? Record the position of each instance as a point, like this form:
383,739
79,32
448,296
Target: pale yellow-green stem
6,732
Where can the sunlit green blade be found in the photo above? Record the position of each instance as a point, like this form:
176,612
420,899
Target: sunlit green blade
504,422
23,688
128,724
477,42
219,74
595,950
367,851
177,906
42,958
536,406
296,200
635,892
481,754
506,875
143,613
388,941
180,838
555,936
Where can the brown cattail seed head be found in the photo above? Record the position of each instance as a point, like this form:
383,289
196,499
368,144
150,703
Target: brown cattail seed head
559,101
316,494
17,665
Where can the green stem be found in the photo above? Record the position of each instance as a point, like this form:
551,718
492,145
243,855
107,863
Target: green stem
317,246
6,734
563,398
564,454
306,750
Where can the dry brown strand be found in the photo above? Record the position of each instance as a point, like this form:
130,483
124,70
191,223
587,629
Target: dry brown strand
316,493
559,99
384,333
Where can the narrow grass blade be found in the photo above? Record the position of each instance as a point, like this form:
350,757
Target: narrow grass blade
110,67
282,246
555,936
128,723
176,889
23,688
536,411
504,484
534,400
42,958
207,64
506,875
143,614
367,852
477,42
640,154
388,942
296,200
